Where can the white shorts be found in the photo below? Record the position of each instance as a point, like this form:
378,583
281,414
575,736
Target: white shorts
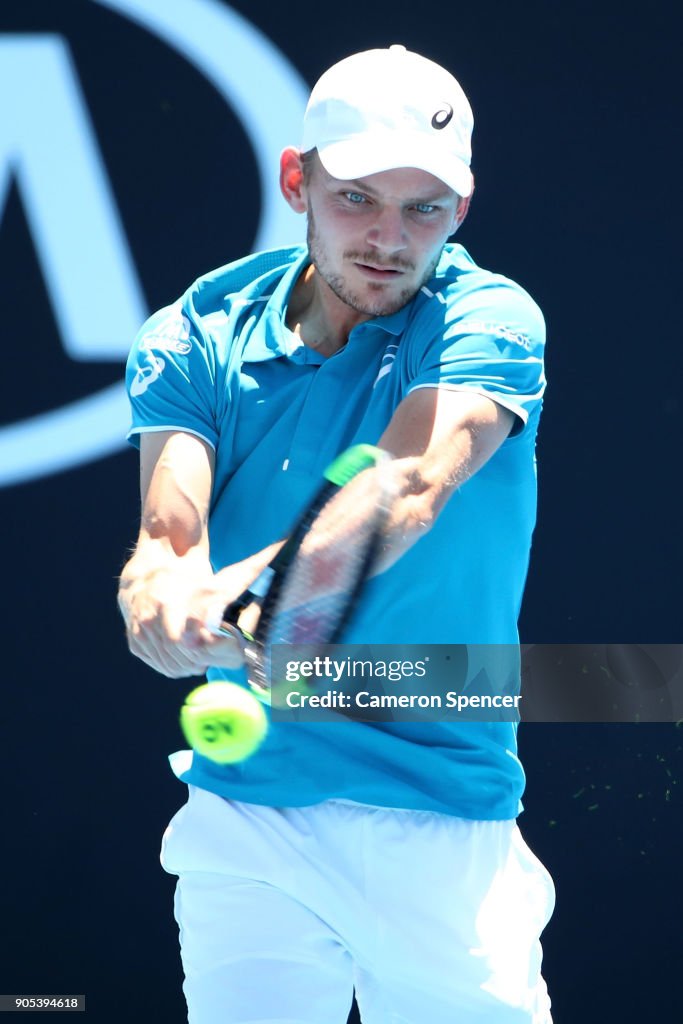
283,912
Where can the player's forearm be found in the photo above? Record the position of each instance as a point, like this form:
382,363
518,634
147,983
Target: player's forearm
421,487
438,440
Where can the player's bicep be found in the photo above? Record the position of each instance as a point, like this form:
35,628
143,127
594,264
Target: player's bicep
176,479
442,437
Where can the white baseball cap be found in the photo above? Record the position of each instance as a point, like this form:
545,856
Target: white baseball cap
382,109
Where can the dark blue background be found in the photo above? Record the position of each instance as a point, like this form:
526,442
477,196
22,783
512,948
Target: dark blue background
575,160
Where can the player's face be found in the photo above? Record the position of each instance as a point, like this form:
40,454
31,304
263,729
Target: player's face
376,240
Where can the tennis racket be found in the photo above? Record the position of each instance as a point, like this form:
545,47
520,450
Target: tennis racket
305,595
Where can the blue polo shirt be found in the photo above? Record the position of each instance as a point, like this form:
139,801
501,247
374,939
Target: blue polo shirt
222,364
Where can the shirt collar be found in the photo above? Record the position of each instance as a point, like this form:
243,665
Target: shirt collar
395,323
270,338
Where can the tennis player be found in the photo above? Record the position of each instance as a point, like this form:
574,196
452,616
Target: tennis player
383,857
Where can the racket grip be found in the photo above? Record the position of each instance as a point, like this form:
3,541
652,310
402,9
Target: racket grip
226,622
257,591
216,623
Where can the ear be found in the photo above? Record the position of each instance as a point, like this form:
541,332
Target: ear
292,179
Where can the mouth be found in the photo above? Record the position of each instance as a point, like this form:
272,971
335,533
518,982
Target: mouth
378,273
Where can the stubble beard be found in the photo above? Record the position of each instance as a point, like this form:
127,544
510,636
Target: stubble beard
383,304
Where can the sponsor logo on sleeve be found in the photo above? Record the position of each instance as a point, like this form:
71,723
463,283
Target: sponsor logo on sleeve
171,335
147,374
497,330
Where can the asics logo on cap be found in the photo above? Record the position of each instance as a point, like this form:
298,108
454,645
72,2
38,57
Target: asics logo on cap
442,117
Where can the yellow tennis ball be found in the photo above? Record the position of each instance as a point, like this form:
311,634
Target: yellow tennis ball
223,721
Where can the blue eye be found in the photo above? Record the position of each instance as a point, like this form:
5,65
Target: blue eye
425,207
355,197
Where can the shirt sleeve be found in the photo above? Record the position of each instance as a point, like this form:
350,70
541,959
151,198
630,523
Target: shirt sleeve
491,343
171,376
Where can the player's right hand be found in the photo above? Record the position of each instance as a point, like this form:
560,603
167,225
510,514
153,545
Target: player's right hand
165,612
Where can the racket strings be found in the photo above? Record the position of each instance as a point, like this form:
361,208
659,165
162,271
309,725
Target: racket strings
333,560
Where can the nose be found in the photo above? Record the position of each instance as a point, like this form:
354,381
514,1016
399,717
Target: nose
387,232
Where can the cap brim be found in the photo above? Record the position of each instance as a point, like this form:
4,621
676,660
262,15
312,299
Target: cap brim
372,153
